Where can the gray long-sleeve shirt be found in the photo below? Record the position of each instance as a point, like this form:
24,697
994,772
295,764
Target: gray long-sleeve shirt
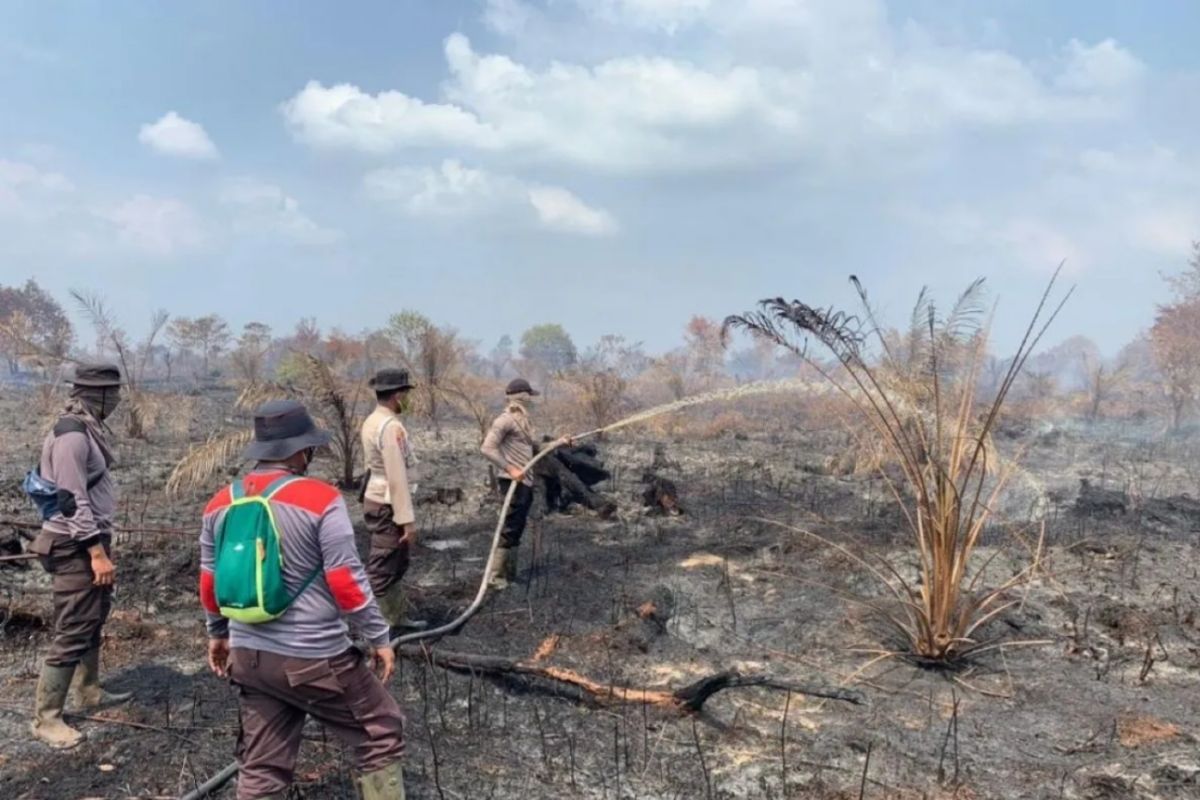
316,535
71,460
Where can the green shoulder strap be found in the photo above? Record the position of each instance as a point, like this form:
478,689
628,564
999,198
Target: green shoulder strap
269,492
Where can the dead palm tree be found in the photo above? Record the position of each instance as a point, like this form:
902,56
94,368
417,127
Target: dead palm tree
917,394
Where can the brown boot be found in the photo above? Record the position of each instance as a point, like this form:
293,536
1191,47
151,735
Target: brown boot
498,579
48,725
88,693
394,607
384,784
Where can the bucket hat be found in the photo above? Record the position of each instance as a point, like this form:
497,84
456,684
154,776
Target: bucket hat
387,380
97,375
283,428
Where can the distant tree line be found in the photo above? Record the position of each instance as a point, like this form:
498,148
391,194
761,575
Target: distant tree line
1157,373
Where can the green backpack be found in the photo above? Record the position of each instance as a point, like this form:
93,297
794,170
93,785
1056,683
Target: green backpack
248,573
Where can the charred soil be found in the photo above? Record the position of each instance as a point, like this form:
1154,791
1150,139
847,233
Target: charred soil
1089,692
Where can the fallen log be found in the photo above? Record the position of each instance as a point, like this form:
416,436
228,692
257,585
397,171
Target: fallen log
564,487
688,699
568,476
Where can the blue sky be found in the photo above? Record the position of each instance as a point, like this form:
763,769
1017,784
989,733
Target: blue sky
616,165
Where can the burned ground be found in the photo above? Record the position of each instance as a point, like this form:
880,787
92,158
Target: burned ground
1093,694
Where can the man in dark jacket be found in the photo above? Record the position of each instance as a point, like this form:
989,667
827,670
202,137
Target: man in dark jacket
74,546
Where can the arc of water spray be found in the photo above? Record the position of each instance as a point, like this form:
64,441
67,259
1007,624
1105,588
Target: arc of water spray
736,393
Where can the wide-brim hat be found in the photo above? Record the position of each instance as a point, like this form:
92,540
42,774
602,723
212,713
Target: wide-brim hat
100,376
283,428
520,386
391,380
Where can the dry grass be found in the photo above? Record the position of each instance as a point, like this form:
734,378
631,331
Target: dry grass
917,394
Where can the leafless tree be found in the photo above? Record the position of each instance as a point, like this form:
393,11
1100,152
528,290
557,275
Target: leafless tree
133,358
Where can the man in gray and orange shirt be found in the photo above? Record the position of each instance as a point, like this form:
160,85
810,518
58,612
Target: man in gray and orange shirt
74,546
302,662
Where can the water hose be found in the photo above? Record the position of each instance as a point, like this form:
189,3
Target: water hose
212,784
745,390
481,594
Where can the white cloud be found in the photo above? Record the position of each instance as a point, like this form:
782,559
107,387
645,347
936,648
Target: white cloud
454,191
18,176
652,113
1167,232
560,210
632,113
1000,233
1040,245
29,193
507,17
173,135
265,209
1091,208
345,116
157,226
1105,67
666,15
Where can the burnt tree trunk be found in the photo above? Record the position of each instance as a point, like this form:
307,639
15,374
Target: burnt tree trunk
689,698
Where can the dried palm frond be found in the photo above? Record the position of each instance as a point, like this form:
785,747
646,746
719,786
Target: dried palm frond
30,351
254,395
202,462
922,408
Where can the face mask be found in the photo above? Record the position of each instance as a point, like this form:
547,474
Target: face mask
309,454
109,404
404,403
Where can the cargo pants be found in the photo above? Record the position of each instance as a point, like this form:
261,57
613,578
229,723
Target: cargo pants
518,513
80,608
390,551
277,693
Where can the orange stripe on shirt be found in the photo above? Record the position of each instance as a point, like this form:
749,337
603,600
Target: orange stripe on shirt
208,592
220,500
345,589
309,494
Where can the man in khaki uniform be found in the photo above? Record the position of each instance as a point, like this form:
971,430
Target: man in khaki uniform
387,498
74,546
510,445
